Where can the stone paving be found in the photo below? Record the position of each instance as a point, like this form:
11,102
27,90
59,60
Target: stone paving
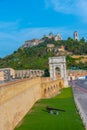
79,88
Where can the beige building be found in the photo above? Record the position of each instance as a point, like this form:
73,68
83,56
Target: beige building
57,37
30,43
7,74
74,74
1,75
61,48
50,47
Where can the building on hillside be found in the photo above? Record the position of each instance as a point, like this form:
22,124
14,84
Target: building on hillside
82,58
50,47
69,53
30,43
50,35
57,37
61,48
75,35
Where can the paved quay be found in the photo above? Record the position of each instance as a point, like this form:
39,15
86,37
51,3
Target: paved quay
79,88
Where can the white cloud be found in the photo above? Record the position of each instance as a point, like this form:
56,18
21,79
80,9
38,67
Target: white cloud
76,7
82,7
60,5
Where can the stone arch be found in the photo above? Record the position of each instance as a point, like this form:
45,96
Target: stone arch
45,92
48,89
57,71
54,88
60,85
58,62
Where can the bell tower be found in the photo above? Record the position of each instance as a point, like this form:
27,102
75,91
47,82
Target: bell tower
75,35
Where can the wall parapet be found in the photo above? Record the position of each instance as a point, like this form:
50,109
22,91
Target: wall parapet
11,90
17,98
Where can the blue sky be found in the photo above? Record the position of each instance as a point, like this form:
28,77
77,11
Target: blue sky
21,20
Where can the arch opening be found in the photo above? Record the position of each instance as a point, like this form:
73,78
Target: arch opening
58,73
54,64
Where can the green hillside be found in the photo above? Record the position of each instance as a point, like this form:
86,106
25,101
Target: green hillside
28,58
36,57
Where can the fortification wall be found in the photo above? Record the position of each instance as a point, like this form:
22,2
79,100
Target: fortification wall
52,88
16,100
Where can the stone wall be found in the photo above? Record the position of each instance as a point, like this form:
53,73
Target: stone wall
28,73
17,98
51,88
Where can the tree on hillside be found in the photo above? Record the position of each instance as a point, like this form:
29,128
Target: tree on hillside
69,39
82,40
